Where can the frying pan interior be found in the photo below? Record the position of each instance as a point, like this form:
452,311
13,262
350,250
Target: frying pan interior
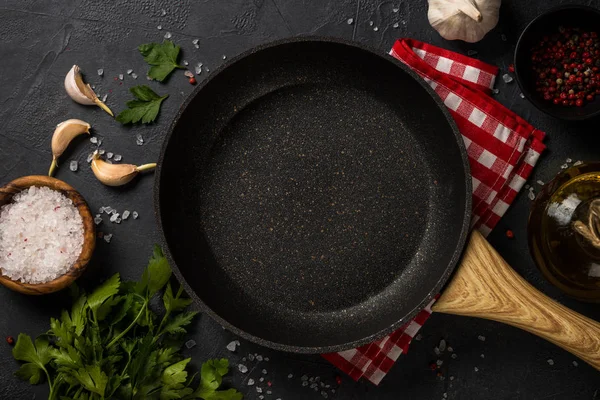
313,195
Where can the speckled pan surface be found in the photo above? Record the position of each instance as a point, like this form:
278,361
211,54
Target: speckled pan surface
313,195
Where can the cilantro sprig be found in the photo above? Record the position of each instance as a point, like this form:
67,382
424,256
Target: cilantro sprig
162,57
111,344
145,108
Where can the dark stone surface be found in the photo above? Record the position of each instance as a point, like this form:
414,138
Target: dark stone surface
40,41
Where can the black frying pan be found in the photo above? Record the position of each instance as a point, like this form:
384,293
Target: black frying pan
313,195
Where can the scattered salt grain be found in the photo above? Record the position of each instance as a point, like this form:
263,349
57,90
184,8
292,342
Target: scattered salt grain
250,382
195,41
269,392
163,12
139,140
481,337
476,369
159,27
259,357
531,195
104,98
577,163
251,357
290,376
135,215
418,337
100,72
185,62
109,155
224,56
190,343
41,235
451,378
550,361
232,345
98,219
568,160
503,37
114,217
197,46
261,397
108,238
264,371
507,78
436,351
450,349
118,157
121,76
126,214
101,152
495,91
564,166
90,157
94,140
350,21
258,389
261,379
324,394
267,359
575,364
442,345
242,368
482,355
395,10
129,71
454,356
198,68
539,182
73,165
189,74
471,52
168,35
376,29
370,23
396,25
304,378
522,95
439,363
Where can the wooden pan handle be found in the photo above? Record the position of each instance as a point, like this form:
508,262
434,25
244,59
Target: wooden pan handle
485,286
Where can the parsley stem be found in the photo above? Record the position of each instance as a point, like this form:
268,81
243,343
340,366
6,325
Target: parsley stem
116,339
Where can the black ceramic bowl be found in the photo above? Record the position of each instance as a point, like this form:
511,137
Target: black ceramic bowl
575,16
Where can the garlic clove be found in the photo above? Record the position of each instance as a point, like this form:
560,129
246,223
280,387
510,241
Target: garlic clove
117,174
63,135
82,92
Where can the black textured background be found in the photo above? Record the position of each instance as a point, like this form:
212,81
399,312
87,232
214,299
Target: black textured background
41,40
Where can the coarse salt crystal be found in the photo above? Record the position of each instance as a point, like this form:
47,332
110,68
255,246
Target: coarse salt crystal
129,71
118,157
101,151
121,76
139,140
575,364
224,56
476,369
134,75
109,155
290,376
159,27
250,382
104,98
108,238
442,345
264,371
98,219
94,140
376,29
195,41
163,12
135,215
89,157
481,337
190,343
258,389
261,379
454,356
471,52
73,165
568,160
396,25
185,62
32,249
507,78
168,35
231,346
550,361
198,68
100,72
114,217
370,23
395,10
125,214
350,21
242,368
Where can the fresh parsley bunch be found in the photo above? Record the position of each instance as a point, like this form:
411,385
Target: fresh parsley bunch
112,345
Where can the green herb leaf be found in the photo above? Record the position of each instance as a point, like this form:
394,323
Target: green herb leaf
211,377
144,109
162,57
156,275
92,378
108,289
176,324
24,350
66,358
173,304
175,374
30,372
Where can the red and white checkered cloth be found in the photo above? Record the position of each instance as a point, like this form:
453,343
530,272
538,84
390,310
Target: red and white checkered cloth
503,149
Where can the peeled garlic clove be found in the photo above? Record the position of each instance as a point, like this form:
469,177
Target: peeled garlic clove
64,134
117,174
82,92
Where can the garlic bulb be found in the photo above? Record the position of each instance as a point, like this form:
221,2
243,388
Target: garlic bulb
82,92
117,174
467,20
64,134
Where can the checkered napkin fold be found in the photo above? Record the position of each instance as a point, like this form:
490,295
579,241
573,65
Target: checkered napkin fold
503,149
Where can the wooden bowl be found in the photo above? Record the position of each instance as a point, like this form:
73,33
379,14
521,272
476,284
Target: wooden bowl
89,233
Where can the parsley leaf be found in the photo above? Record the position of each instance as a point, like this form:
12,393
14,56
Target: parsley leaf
176,324
92,378
176,303
37,356
163,58
175,374
144,109
108,289
211,377
156,275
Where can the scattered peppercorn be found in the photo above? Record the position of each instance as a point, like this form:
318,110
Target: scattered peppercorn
565,65
192,81
10,340
510,234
